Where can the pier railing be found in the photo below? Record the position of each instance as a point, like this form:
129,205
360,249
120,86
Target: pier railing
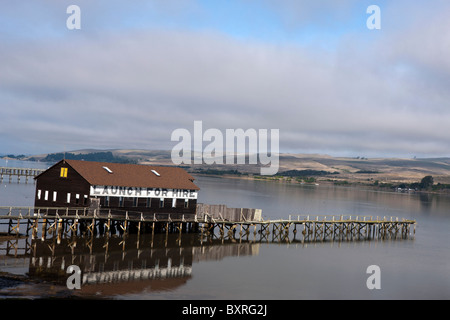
28,173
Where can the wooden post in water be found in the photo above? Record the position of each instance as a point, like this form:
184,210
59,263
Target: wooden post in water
34,229
153,229
74,227
9,226
44,230
222,229
295,230
125,227
59,230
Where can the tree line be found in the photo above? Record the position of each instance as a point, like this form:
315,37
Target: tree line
427,183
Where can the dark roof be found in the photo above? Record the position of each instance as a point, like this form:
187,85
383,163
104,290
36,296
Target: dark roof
133,175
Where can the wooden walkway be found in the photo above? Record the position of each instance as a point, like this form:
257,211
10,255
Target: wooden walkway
66,222
26,173
316,228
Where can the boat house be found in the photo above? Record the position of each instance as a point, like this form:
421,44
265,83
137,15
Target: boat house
120,188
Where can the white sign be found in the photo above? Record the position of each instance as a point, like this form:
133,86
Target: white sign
134,192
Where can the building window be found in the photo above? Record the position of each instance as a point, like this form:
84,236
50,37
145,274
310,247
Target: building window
46,195
85,199
107,201
68,197
39,194
135,202
63,173
186,203
149,202
54,196
120,201
161,202
77,199
174,202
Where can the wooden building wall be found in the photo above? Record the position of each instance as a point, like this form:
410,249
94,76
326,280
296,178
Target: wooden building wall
150,206
51,181
79,189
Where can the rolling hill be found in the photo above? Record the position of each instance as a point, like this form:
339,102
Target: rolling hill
321,167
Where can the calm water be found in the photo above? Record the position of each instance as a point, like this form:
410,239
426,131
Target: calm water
189,268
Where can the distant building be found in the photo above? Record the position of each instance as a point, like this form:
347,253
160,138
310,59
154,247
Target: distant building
117,187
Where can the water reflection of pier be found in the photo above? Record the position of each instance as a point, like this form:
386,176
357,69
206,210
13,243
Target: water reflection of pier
110,260
115,265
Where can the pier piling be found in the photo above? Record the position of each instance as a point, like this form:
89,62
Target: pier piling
324,228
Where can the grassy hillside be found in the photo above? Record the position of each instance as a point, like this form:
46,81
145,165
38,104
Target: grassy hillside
292,167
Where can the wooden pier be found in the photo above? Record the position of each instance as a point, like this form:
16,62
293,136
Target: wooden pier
26,173
67,222
317,228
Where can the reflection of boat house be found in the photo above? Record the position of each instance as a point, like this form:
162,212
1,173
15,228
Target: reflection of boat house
115,266
112,267
117,187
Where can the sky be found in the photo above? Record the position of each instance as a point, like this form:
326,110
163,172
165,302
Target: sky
138,70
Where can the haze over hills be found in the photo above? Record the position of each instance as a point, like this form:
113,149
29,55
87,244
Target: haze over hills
322,167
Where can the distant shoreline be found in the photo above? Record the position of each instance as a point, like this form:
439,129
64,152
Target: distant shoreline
355,184
306,169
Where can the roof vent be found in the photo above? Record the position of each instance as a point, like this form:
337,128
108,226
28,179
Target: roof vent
108,169
156,173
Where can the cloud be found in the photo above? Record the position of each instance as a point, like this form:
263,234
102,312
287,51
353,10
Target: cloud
373,93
